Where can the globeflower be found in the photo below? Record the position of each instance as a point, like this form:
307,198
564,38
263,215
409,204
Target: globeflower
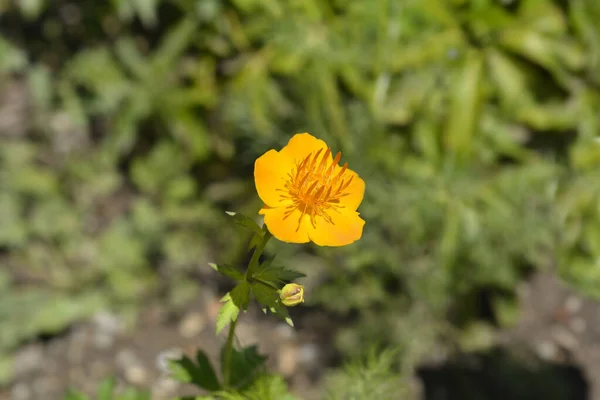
292,294
307,196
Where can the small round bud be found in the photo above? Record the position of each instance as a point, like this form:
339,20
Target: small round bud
292,294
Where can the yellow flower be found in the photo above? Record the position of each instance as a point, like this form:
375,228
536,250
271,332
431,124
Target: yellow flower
307,195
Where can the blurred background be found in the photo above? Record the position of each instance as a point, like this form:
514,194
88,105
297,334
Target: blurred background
128,127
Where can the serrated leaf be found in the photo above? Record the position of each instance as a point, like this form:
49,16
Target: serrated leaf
246,222
228,313
240,295
200,374
228,270
207,377
244,364
277,275
268,387
236,300
289,275
255,241
266,296
266,264
281,311
181,369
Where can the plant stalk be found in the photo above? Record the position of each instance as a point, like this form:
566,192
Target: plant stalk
252,266
228,352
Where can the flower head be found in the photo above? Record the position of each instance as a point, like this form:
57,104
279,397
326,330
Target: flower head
307,195
292,294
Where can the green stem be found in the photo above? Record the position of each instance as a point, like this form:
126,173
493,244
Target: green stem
252,266
228,352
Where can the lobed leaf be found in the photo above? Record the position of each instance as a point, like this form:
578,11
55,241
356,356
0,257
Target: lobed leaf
200,373
245,364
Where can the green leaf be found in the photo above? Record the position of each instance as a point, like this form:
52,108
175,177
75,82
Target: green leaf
228,313
181,370
146,10
130,56
276,275
190,131
240,295
105,391
464,106
543,16
281,311
532,45
255,241
200,374
266,387
266,296
246,222
265,265
228,271
173,45
75,395
208,378
244,365
509,79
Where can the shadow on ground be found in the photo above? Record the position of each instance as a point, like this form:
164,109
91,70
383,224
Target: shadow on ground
497,375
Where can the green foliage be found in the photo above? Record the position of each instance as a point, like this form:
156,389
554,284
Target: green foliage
579,214
107,391
262,280
369,377
265,387
247,223
127,127
246,373
233,302
245,364
275,275
200,373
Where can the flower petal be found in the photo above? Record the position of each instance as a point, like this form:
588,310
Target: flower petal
356,191
270,174
286,229
347,228
301,145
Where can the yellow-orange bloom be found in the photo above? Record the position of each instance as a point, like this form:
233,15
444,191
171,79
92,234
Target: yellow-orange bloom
307,195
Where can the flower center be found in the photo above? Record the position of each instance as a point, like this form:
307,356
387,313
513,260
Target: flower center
314,189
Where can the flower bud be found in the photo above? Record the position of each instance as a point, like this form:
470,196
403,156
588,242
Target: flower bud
292,294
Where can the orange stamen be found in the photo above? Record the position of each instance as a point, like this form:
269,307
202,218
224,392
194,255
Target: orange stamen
312,189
